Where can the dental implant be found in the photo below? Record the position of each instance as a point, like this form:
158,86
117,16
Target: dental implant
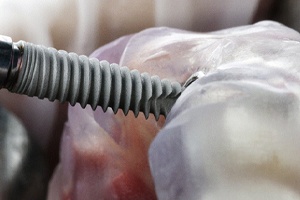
35,70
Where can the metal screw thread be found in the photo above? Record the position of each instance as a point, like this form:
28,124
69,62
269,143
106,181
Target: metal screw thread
52,74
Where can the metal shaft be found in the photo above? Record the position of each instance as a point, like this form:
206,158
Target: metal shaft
48,73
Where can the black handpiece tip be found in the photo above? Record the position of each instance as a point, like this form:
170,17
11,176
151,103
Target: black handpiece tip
6,53
10,60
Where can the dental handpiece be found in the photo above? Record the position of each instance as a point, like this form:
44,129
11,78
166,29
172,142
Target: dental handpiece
35,70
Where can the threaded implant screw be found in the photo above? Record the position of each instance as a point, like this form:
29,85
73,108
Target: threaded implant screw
48,73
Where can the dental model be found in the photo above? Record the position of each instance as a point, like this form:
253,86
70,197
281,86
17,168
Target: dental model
231,134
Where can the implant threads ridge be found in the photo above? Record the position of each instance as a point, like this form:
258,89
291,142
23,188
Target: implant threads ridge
52,74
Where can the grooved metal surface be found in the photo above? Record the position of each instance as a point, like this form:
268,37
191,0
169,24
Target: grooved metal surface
52,74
